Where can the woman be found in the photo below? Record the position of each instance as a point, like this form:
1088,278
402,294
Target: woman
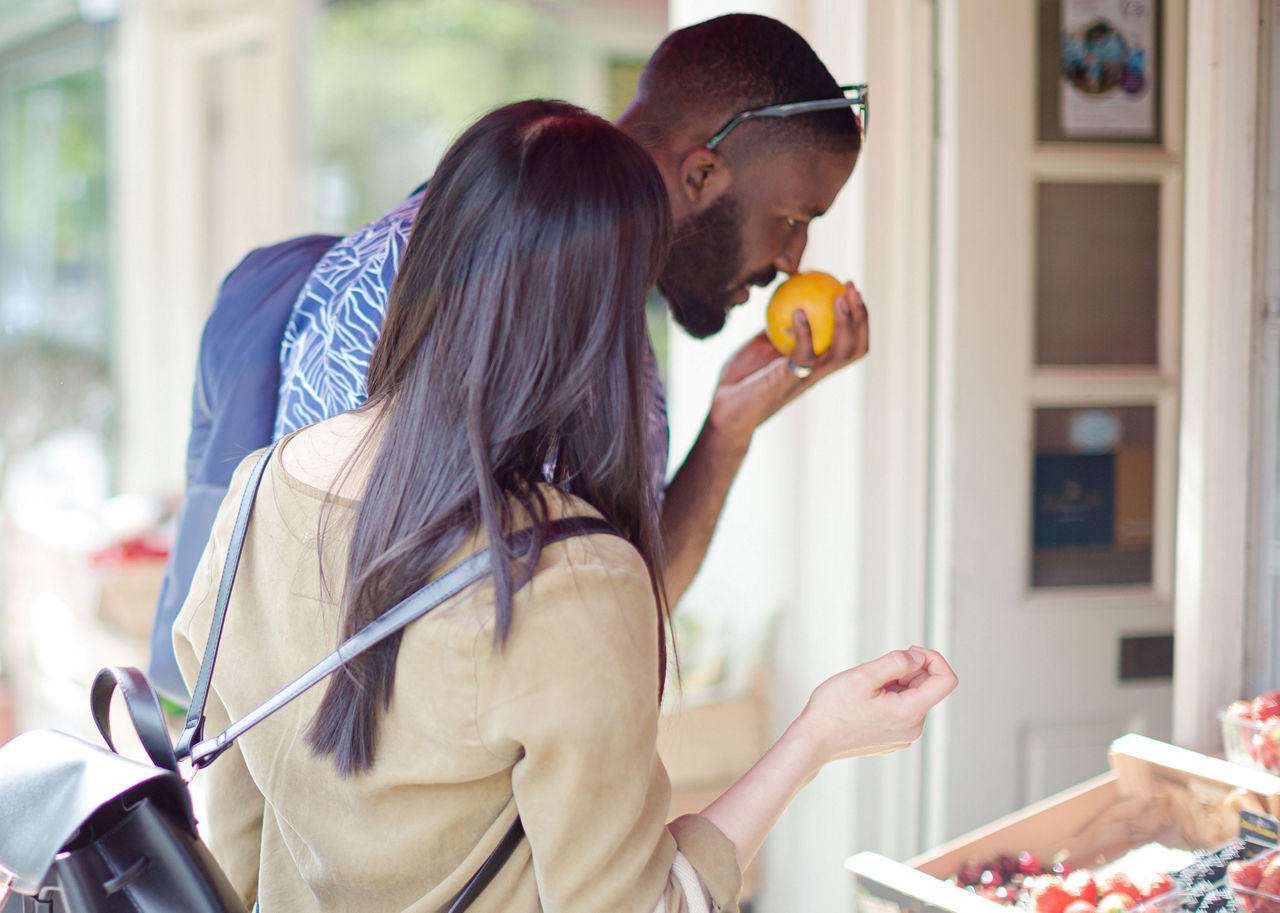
504,392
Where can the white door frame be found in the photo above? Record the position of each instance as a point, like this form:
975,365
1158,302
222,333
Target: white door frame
1262,632
1220,320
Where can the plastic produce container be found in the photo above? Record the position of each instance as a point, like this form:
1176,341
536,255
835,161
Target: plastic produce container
1252,743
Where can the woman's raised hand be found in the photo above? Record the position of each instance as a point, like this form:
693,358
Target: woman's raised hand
877,707
874,708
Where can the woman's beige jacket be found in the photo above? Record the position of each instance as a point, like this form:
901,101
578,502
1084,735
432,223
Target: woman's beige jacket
560,725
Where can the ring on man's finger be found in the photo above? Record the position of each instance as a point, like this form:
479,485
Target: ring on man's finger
800,371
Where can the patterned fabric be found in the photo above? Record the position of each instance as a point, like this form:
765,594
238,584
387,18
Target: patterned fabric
328,342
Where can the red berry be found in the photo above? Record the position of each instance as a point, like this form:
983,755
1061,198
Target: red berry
1244,872
1155,885
1028,864
1080,906
1240,710
1082,886
1270,881
1007,866
1050,897
1118,883
1266,705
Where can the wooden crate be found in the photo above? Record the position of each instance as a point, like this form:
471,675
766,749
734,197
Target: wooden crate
1154,792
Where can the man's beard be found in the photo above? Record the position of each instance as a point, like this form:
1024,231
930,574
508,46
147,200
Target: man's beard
704,260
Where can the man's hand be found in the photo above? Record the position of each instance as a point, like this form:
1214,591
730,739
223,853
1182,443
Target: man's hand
757,381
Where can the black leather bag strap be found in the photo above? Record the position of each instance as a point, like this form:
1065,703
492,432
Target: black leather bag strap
453,581
490,867
193,728
144,711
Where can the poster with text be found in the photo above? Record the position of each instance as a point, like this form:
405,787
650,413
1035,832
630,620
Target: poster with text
1108,68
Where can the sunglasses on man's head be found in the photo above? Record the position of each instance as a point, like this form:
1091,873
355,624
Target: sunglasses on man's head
858,101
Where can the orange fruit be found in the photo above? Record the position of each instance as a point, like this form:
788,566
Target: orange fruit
815,294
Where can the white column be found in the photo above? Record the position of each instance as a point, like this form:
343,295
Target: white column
895,501
796,533
207,108
1262,667
1220,317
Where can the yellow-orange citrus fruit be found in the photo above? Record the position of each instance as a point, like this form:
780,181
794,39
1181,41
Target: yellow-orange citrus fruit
815,294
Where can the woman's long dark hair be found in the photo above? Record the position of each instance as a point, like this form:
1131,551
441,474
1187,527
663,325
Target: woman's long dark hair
513,341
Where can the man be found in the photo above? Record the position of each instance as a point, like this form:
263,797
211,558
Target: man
716,108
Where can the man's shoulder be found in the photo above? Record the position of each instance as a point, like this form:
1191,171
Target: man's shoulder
243,331
281,258
266,272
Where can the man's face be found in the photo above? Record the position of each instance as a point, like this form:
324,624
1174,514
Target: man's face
757,226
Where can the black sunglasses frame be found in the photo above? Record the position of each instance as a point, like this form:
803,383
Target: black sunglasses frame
858,101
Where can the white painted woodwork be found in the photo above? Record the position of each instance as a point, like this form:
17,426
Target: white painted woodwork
1220,319
207,129
1039,697
894,502
1262,634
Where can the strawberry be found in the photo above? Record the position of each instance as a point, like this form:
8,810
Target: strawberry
1155,885
1269,883
1240,710
1028,864
1244,872
1082,886
1118,883
1080,906
1049,896
1266,705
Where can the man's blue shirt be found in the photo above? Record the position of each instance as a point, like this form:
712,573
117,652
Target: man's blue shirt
328,341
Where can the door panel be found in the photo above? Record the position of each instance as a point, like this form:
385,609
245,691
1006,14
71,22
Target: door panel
1056,380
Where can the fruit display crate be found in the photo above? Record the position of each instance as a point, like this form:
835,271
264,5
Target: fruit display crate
1153,793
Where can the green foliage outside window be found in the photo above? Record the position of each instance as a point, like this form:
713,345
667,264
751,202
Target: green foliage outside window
395,81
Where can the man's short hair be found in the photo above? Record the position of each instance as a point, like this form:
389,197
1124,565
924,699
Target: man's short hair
740,62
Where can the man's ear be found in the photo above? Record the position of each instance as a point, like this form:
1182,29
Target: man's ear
704,175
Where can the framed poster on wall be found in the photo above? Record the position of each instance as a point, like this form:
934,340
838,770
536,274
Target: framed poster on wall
1099,77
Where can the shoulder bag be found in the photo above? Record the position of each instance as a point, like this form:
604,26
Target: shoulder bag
85,830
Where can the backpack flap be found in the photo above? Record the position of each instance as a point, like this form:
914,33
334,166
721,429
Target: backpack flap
52,785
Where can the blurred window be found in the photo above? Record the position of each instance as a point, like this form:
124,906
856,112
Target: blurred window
394,82
55,302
